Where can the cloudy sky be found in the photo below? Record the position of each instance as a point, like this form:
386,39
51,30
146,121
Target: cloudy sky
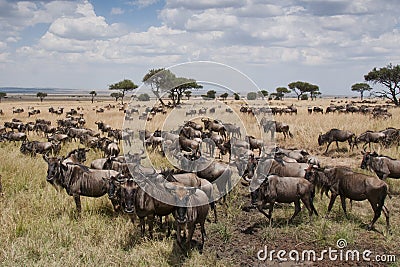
91,44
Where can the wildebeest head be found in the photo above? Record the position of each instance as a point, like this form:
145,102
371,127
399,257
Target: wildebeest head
181,196
366,161
54,170
321,139
128,190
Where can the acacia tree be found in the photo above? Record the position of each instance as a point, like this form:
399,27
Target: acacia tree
162,80
263,93
93,94
210,94
41,96
280,93
188,94
2,95
389,77
124,87
224,96
361,88
116,95
300,88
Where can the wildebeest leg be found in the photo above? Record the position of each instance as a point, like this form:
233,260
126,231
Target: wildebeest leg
331,202
308,202
142,226
203,234
214,207
386,213
77,199
337,145
150,222
326,150
297,209
260,209
178,235
343,200
191,227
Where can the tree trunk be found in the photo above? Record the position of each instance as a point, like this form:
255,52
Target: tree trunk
362,94
155,92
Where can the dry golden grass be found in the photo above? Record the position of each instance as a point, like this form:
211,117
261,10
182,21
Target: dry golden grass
39,226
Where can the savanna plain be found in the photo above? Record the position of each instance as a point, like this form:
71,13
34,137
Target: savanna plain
39,226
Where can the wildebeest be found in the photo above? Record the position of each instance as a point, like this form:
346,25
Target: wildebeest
344,182
336,135
383,166
300,155
11,136
285,190
214,126
191,209
77,155
261,167
369,137
255,143
275,126
77,180
318,110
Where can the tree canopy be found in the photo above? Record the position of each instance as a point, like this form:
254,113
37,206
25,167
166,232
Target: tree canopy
116,95
41,96
251,96
224,96
162,80
123,86
300,88
389,77
263,93
280,93
361,88
210,94
93,94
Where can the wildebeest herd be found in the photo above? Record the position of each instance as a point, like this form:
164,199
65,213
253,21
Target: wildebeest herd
274,174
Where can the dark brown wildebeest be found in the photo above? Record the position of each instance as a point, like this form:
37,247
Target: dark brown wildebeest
193,180
77,155
369,137
233,130
383,166
77,180
336,135
194,125
102,126
11,136
344,182
285,190
191,209
318,110
214,126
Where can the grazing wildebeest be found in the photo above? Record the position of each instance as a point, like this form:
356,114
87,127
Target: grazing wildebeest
191,209
285,190
77,180
344,182
369,137
212,140
336,135
383,166
233,130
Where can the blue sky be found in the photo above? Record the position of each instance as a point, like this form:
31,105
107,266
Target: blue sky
91,44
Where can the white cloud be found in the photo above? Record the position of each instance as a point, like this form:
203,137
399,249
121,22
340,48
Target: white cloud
116,11
143,3
263,33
